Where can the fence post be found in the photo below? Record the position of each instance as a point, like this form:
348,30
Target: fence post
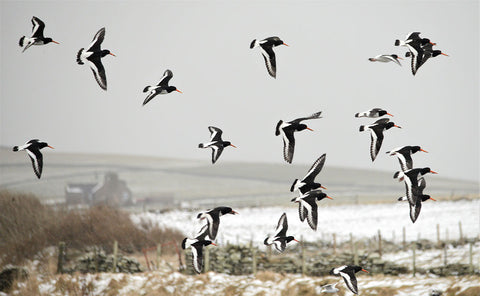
115,251
206,263
445,255
414,269
380,243
159,253
355,254
438,234
404,239
61,253
254,260
470,250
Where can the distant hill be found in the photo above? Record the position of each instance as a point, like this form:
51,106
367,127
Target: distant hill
201,182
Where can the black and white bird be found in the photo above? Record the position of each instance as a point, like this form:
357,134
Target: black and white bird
286,129
376,134
414,44
37,37
196,244
161,88
308,182
93,56
267,46
347,272
330,288
216,143
419,197
385,58
422,55
33,150
373,113
404,155
307,206
413,188
280,239
213,219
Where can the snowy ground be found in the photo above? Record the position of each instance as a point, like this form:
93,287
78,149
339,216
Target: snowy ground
253,224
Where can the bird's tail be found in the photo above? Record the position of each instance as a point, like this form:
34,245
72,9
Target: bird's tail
293,185
397,42
254,43
277,129
79,60
201,145
357,114
15,148
362,128
146,88
399,175
20,42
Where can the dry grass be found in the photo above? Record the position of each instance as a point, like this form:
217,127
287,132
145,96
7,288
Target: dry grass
266,276
27,227
472,291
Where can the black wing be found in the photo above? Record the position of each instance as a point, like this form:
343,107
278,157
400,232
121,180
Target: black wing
313,116
288,145
37,161
350,280
97,40
415,209
98,72
167,75
315,169
38,26
215,133
216,152
376,136
282,226
197,257
269,57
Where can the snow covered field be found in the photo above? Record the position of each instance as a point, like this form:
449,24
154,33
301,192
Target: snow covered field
253,224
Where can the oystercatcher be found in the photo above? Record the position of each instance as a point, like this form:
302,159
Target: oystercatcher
404,155
308,182
373,113
213,219
161,88
385,58
93,56
347,272
37,37
423,55
307,206
286,129
376,134
419,197
267,45
216,143
33,149
196,246
280,239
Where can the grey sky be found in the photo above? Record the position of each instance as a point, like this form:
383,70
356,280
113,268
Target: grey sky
46,95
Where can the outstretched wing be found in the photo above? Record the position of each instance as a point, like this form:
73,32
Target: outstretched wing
97,40
37,161
315,169
38,26
149,97
167,75
216,152
197,258
376,136
288,145
282,226
269,57
351,281
415,209
98,72
313,116
202,233
215,133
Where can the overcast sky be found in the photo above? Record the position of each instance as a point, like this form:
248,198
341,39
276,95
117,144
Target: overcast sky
46,95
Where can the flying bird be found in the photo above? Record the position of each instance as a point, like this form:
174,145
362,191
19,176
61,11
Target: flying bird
161,88
37,37
347,272
414,44
216,143
266,46
422,55
373,113
376,134
33,149
280,239
196,246
308,182
286,129
213,219
404,155
307,206
419,197
93,56
385,58
330,288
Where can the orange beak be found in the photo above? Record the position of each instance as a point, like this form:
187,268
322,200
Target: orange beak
400,58
233,145
328,197
310,129
397,126
432,43
179,91
235,213
432,199
112,54
433,172
55,42
365,270
444,54
286,44
323,187
296,240
50,147
389,114
213,244
423,150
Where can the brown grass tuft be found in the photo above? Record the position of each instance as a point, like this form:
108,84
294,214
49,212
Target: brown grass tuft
472,291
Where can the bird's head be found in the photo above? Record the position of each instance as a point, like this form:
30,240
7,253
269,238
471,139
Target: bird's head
290,238
427,197
427,170
391,124
172,88
227,143
302,126
48,40
105,52
384,112
418,148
